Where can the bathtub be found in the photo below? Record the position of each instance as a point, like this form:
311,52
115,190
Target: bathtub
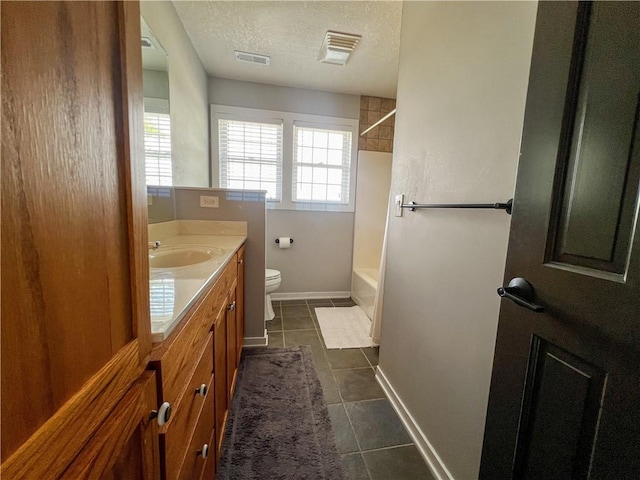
364,283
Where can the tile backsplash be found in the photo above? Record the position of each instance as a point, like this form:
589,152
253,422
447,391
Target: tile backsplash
380,138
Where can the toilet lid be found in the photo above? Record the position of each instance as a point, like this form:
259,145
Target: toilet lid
270,274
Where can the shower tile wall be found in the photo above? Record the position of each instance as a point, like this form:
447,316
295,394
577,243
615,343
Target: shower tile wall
379,139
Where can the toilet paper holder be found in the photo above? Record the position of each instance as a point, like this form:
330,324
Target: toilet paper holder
278,240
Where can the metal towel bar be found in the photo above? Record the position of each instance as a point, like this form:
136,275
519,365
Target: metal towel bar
413,206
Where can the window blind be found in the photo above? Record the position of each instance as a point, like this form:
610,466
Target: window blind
321,165
251,156
157,149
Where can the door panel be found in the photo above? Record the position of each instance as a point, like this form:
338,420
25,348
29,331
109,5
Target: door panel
598,174
560,409
565,388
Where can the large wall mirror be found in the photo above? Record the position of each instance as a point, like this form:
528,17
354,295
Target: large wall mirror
157,126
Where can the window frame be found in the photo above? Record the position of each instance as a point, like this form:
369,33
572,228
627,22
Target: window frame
288,119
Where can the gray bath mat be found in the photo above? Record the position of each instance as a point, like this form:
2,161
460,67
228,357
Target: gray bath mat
279,426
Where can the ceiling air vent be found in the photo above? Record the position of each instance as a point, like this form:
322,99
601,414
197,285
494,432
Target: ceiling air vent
147,42
252,58
337,47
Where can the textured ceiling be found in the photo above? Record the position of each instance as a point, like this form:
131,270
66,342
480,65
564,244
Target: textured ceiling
291,33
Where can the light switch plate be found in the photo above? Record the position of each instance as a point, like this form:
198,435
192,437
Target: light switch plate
398,203
209,202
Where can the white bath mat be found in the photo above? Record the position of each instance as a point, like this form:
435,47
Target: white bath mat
344,327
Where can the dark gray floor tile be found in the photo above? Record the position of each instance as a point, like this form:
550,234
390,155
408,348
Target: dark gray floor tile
299,301
345,439
320,359
343,302
354,467
357,384
274,325
372,354
401,463
347,358
302,337
298,323
295,311
320,302
276,340
376,424
329,387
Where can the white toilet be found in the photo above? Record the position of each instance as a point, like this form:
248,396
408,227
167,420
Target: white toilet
272,282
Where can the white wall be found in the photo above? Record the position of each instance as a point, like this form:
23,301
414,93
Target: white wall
321,256
461,92
319,259
155,84
188,95
284,99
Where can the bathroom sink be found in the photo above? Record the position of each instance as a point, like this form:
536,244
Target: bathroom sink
172,257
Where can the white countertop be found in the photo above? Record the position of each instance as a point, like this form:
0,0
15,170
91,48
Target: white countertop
172,291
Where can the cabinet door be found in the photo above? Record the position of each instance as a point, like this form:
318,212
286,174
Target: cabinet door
240,306
220,372
232,358
126,445
75,326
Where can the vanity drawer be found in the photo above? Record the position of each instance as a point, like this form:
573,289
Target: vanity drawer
177,433
218,295
179,355
194,464
209,471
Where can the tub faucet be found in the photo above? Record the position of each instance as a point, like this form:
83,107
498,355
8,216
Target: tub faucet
154,245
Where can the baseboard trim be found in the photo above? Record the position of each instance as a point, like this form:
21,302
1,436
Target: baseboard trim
309,295
424,446
257,341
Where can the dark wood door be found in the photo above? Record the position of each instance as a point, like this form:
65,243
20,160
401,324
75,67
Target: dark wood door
565,388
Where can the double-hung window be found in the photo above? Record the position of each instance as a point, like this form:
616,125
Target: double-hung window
304,162
250,155
321,164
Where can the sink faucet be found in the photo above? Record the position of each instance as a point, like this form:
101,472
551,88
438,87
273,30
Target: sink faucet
154,245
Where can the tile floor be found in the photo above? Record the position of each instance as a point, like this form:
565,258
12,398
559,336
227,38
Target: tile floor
369,435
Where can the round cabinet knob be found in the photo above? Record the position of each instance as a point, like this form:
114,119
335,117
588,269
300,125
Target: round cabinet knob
162,414
241,261
202,390
204,453
232,306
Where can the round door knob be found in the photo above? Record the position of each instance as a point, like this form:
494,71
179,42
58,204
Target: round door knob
202,390
162,414
204,453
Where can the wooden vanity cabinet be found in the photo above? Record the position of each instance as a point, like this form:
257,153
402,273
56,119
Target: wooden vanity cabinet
240,305
232,341
75,328
220,374
195,358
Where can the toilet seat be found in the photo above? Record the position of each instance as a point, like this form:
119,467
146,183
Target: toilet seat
271,274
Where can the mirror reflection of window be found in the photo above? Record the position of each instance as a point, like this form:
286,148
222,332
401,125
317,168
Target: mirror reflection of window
162,293
157,144
157,119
